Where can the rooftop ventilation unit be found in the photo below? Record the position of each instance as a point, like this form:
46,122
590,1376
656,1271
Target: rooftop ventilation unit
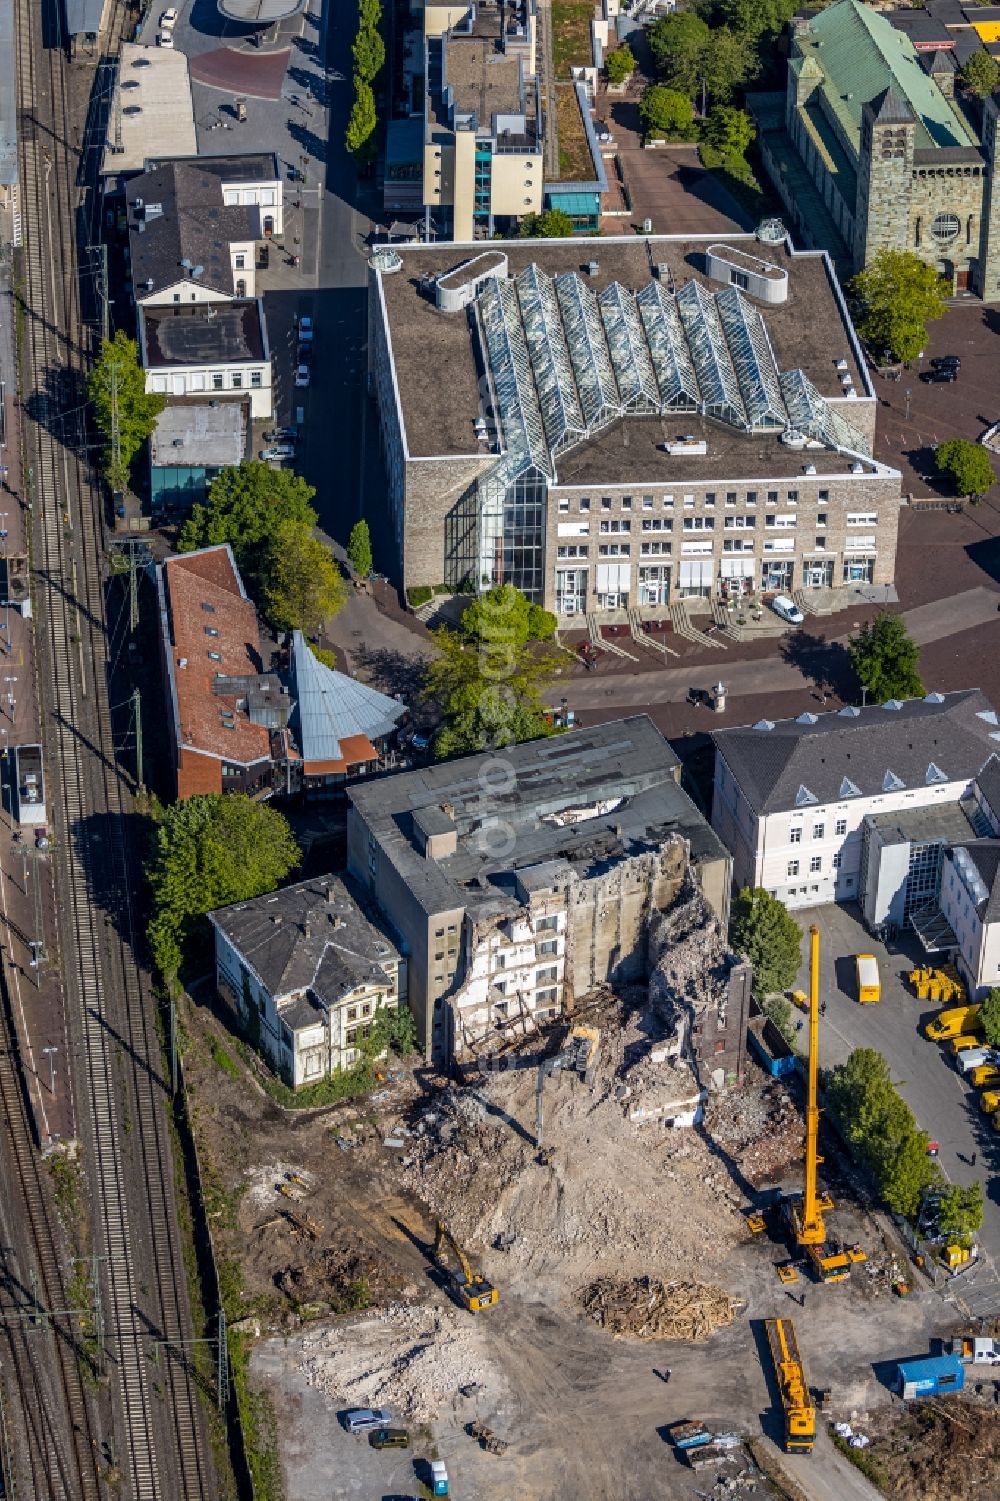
807,719
593,267
933,698
809,469
892,704
857,468
764,724
850,712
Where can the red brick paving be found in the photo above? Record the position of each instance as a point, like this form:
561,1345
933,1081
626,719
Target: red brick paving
258,76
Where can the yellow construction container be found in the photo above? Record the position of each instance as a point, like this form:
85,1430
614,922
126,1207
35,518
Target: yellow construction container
989,1101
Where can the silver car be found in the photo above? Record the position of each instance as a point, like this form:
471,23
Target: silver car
279,451
362,1419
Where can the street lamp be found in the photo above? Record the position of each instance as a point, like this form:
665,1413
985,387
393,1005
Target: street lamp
51,1052
908,393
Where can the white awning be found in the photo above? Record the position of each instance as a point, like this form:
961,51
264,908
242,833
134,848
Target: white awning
736,568
613,577
692,574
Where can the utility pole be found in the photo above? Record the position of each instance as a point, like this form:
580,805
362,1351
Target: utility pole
133,592
96,1306
137,711
222,1380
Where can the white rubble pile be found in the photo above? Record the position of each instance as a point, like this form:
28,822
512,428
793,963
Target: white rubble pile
413,1361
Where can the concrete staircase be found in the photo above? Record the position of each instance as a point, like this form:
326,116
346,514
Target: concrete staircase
805,604
684,627
644,638
598,641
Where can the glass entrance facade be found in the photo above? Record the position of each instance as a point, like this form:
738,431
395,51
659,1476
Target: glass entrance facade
654,586
571,591
777,577
817,573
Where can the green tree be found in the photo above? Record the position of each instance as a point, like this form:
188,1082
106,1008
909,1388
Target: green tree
246,505
981,75
504,615
666,114
392,1027
990,1018
542,624
210,851
968,464
369,54
960,1211
620,64
489,692
727,64
362,120
679,43
116,386
763,931
881,1131
758,18
729,130
369,15
898,295
886,659
554,224
359,549
301,583
780,1011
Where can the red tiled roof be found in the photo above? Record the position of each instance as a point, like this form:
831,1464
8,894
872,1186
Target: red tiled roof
191,581
357,750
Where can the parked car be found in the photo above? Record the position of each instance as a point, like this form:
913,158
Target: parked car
389,1438
364,1419
939,377
946,362
169,18
787,609
303,375
165,39
282,435
279,451
305,330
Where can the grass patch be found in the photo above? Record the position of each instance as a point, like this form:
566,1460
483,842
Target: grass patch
421,595
346,1084
260,1425
869,1464
67,1180
225,1060
571,44
575,161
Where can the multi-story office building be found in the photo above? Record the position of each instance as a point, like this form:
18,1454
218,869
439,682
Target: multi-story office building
516,883
612,424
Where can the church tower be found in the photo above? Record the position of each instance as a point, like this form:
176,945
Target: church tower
885,176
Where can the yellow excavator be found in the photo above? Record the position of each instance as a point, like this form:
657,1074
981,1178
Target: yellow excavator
579,1055
805,1215
474,1290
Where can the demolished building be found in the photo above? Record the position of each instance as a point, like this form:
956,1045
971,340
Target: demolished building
515,896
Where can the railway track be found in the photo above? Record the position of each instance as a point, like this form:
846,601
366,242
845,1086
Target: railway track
121,1097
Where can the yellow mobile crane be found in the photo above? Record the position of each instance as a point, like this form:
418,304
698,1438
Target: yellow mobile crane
805,1216
800,1414
474,1290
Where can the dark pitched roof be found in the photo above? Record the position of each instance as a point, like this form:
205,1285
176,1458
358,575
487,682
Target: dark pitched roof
176,212
942,60
892,108
313,937
988,780
203,333
828,758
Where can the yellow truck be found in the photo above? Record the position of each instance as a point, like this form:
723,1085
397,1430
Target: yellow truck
964,1041
866,969
949,1024
984,1073
793,1388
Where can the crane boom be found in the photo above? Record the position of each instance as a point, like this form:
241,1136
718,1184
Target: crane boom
812,1231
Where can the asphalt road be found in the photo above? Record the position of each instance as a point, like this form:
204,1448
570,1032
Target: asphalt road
945,1106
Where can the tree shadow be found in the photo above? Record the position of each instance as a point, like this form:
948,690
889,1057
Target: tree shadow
392,672
313,84
826,664
315,146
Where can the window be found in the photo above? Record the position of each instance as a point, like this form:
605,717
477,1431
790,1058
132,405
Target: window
709,501
549,946
545,997
699,523
795,835
945,227
782,523
605,502
210,630
823,495
772,497
215,656
217,381
751,497
668,502
548,975
793,497
256,379
816,864
241,263
236,379
821,544
209,609
819,829
564,506
738,544
626,502
838,860
614,550
657,524
584,503
546,924
841,826
177,296
730,497
793,867
742,523
862,518
822,518
616,524
573,550
654,549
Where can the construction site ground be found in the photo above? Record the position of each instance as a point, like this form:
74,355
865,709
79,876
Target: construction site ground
643,1225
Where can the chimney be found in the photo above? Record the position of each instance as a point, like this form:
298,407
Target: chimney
306,928
331,895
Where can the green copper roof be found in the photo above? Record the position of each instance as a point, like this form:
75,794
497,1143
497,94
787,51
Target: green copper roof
861,55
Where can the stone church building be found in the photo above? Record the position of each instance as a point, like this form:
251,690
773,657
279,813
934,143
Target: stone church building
869,147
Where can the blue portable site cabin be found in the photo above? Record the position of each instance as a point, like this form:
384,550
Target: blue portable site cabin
934,1376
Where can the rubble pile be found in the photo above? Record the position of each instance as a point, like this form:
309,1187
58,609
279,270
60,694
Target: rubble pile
413,1361
607,1195
646,1308
758,1127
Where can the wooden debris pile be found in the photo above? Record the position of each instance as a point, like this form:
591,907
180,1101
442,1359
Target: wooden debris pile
645,1308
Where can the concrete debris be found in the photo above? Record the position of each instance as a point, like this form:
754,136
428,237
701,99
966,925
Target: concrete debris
758,1127
411,1360
646,1308
488,1440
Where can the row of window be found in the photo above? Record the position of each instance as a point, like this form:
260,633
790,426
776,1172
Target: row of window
731,498
815,864
818,831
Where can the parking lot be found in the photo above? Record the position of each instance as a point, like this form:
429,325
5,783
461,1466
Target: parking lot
944,1104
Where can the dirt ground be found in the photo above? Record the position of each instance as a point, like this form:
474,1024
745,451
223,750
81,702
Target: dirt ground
625,1236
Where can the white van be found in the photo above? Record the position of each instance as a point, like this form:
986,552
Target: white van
972,1058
